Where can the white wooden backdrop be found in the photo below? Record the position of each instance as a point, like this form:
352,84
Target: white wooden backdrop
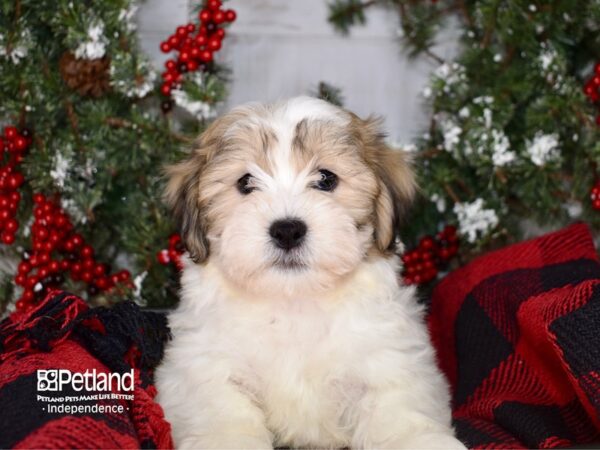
281,48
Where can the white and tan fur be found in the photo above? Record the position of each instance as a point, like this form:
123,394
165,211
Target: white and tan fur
317,347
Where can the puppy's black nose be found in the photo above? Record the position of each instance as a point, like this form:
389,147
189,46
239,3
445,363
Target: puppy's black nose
288,233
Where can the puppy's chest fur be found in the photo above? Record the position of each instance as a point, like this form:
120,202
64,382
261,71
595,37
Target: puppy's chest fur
301,371
306,363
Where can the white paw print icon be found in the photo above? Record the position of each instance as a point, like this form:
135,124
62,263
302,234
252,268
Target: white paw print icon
47,380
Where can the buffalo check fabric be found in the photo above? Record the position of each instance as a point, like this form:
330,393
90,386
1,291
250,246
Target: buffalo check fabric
517,333
63,333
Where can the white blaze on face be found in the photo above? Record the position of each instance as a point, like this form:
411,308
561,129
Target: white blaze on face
338,229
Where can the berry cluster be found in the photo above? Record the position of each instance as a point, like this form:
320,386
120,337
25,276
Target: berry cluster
195,44
13,145
595,196
592,89
423,263
173,253
58,251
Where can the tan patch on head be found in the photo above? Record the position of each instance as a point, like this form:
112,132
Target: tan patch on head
194,182
182,196
396,180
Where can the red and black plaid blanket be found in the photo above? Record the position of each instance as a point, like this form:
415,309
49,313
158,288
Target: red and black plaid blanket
62,333
518,335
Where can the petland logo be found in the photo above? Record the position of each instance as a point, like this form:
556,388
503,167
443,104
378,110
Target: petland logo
55,380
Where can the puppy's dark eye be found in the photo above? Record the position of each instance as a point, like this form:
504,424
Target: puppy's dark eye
328,181
243,184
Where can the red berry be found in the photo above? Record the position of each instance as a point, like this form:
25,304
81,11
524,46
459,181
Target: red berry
201,39
427,256
214,44
220,33
165,47
181,31
10,132
163,257
170,64
184,56
444,253
87,276
204,15
8,238
24,267
20,143
174,239
27,296
11,226
87,251
54,266
192,65
230,15
99,270
427,243
102,283
213,4
38,199
190,27
206,56
596,69
44,258
15,197
173,42
16,180
31,281
165,89
88,264
218,17
124,275
77,240
61,221
596,204
20,279
450,230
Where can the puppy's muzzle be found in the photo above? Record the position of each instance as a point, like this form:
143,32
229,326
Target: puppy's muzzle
288,233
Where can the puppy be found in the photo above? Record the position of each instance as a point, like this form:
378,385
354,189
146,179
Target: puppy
292,328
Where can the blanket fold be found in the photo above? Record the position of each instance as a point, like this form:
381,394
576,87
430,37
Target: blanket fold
517,333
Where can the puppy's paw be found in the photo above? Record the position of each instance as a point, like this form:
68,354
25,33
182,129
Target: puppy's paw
224,442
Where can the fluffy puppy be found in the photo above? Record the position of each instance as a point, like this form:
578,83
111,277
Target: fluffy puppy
292,328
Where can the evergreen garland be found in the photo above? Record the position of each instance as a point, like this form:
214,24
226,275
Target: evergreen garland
512,145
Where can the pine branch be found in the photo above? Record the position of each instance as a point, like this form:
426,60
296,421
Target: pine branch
344,14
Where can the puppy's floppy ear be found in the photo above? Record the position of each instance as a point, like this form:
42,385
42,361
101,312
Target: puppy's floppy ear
182,196
396,179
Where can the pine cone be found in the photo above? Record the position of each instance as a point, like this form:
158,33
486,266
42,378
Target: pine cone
87,77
